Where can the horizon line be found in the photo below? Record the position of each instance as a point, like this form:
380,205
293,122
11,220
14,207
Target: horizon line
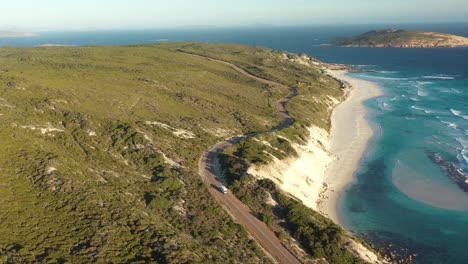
259,25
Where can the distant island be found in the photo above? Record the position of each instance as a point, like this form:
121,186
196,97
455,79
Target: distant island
391,38
9,34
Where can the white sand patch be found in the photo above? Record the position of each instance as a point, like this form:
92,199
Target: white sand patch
179,207
333,100
60,101
47,129
270,200
146,176
300,59
266,143
181,133
218,132
302,176
5,103
49,170
303,61
139,146
154,123
221,132
170,161
167,160
287,139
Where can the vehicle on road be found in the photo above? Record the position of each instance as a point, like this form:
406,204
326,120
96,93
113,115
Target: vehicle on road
223,189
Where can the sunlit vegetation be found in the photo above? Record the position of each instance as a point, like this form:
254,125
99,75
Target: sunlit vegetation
100,147
99,154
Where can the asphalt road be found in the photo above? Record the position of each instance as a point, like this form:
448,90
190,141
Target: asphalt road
209,171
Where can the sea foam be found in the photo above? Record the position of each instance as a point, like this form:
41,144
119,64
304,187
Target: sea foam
439,77
451,90
464,150
422,92
385,78
458,113
427,111
423,82
449,124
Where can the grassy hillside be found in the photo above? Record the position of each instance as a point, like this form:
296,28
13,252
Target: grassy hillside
100,148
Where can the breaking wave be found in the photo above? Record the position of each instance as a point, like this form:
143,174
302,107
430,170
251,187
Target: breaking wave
439,77
427,111
451,90
422,92
449,124
385,78
458,113
383,104
463,155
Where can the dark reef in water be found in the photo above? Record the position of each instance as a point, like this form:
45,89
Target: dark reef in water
396,248
454,173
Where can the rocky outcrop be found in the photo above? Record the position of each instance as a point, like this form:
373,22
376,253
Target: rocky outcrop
391,38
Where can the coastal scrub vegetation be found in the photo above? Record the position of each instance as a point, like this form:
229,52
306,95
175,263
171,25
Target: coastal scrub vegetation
99,154
100,147
316,89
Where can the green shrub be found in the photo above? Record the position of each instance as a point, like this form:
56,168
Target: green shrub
156,201
253,151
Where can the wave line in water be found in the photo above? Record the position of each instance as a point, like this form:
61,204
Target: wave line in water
458,113
439,77
385,78
422,93
451,125
451,90
422,109
464,150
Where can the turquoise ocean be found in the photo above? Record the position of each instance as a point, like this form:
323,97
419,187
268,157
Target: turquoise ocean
410,189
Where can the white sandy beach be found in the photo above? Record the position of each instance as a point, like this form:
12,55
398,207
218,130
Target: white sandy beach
350,134
326,164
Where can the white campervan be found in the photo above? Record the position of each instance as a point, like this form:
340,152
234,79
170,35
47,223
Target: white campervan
223,189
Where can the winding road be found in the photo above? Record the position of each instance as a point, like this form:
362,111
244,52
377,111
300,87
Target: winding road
209,171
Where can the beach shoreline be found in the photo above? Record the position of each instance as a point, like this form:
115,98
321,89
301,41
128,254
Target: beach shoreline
349,137
326,164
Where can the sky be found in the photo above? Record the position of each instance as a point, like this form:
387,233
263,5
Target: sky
33,15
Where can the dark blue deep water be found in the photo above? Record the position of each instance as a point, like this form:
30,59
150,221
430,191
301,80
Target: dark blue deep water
406,191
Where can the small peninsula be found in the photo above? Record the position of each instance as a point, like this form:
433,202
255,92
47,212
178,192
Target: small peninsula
391,38
9,34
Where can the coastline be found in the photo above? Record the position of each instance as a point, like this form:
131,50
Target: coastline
302,176
349,136
326,164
